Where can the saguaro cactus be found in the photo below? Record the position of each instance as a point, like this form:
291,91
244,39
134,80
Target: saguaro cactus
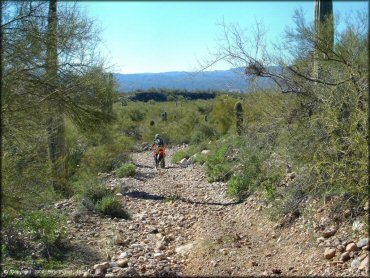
164,116
239,117
324,30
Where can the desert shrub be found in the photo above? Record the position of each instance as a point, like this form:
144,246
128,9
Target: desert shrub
93,193
218,167
137,115
13,242
202,133
107,157
181,154
48,228
126,170
110,205
222,114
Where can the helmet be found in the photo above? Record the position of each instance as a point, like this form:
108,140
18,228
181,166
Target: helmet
157,136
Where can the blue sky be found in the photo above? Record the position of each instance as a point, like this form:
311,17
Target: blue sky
171,36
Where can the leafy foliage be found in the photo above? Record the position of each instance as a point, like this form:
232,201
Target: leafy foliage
126,170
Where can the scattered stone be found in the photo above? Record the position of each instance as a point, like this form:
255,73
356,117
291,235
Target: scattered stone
122,262
364,264
329,253
341,248
154,231
320,239
344,257
158,256
363,242
276,271
351,247
328,233
104,265
355,263
254,264
357,225
123,255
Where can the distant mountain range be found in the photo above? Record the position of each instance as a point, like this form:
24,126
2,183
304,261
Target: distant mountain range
232,80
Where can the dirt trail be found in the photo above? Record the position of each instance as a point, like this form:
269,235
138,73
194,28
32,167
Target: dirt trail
183,225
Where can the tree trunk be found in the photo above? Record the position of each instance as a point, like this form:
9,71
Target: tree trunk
55,123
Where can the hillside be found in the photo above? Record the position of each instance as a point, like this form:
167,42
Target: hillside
226,80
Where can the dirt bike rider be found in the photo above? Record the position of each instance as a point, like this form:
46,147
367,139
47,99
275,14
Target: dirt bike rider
158,143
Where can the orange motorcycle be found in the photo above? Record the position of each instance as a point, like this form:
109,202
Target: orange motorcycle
159,156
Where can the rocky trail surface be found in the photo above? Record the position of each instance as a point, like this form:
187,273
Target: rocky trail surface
182,225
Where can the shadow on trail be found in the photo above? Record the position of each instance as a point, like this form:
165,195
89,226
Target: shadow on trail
147,196
145,176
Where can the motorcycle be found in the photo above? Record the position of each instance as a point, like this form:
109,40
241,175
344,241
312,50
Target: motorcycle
159,156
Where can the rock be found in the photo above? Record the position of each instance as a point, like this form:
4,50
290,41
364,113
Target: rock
184,248
329,253
366,206
276,271
104,265
344,257
122,262
341,248
351,247
158,256
123,255
328,233
363,242
254,264
183,161
355,263
86,274
109,275
154,231
205,152
320,239
128,272
113,264
161,245
99,272
364,264
357,225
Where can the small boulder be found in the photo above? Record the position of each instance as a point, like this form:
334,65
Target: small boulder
329,253
205,152
276,271
351,247
362,242
328,233
364,264
122,262
344,257
102,266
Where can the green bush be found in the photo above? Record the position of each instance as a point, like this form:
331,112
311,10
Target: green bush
126,170
93,193
218,167
110,205
178,156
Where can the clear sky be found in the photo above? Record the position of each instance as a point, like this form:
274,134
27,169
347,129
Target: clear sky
171,36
